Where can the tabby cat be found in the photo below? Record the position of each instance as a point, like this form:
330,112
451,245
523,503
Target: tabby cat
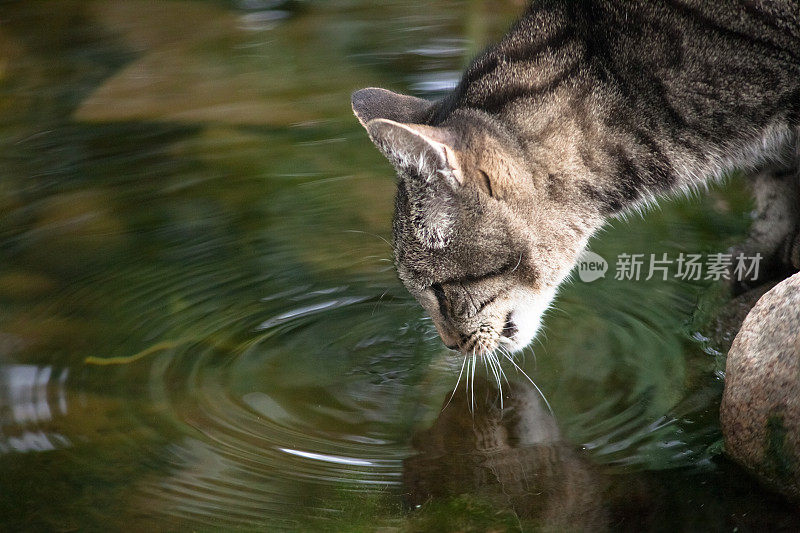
513,457
583,111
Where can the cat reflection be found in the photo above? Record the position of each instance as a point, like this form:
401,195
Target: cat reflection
513,458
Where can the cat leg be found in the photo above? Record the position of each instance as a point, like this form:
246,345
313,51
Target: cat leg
791,248
775,232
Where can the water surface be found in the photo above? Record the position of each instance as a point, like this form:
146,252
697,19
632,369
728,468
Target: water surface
201,325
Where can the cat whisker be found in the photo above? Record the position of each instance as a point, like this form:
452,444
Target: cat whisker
458,381
486,355
501,376
500,366
469,371
380,299
533,353
506,353
518,263
472,388
370,234
493,364
549,408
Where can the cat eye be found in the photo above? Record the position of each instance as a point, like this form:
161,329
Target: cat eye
487,183
441,299
438,291
505,268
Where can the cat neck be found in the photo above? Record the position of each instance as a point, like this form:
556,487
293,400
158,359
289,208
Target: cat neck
615,113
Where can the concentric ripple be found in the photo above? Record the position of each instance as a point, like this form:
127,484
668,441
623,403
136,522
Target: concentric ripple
311,397
200,325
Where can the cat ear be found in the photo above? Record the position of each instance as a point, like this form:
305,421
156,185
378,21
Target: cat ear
431,174
371,103
424,150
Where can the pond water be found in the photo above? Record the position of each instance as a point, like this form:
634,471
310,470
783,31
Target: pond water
202,328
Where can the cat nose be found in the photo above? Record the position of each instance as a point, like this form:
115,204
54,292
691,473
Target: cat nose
449,338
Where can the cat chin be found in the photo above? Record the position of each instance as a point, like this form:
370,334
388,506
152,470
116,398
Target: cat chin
527,317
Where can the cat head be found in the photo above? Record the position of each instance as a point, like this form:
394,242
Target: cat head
482,238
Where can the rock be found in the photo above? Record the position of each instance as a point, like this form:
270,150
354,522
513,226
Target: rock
760,410
727,321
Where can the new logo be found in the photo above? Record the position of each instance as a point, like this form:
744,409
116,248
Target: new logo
591,267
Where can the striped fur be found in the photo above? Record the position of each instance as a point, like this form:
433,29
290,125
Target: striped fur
585,110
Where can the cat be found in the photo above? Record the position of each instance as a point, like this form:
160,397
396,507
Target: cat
512,456
584,111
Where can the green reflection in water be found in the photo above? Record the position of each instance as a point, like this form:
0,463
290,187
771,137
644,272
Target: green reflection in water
193,232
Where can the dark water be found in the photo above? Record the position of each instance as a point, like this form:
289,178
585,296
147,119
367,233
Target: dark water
200,325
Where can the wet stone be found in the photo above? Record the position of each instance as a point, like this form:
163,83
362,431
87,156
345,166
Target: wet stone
760,410
728,321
